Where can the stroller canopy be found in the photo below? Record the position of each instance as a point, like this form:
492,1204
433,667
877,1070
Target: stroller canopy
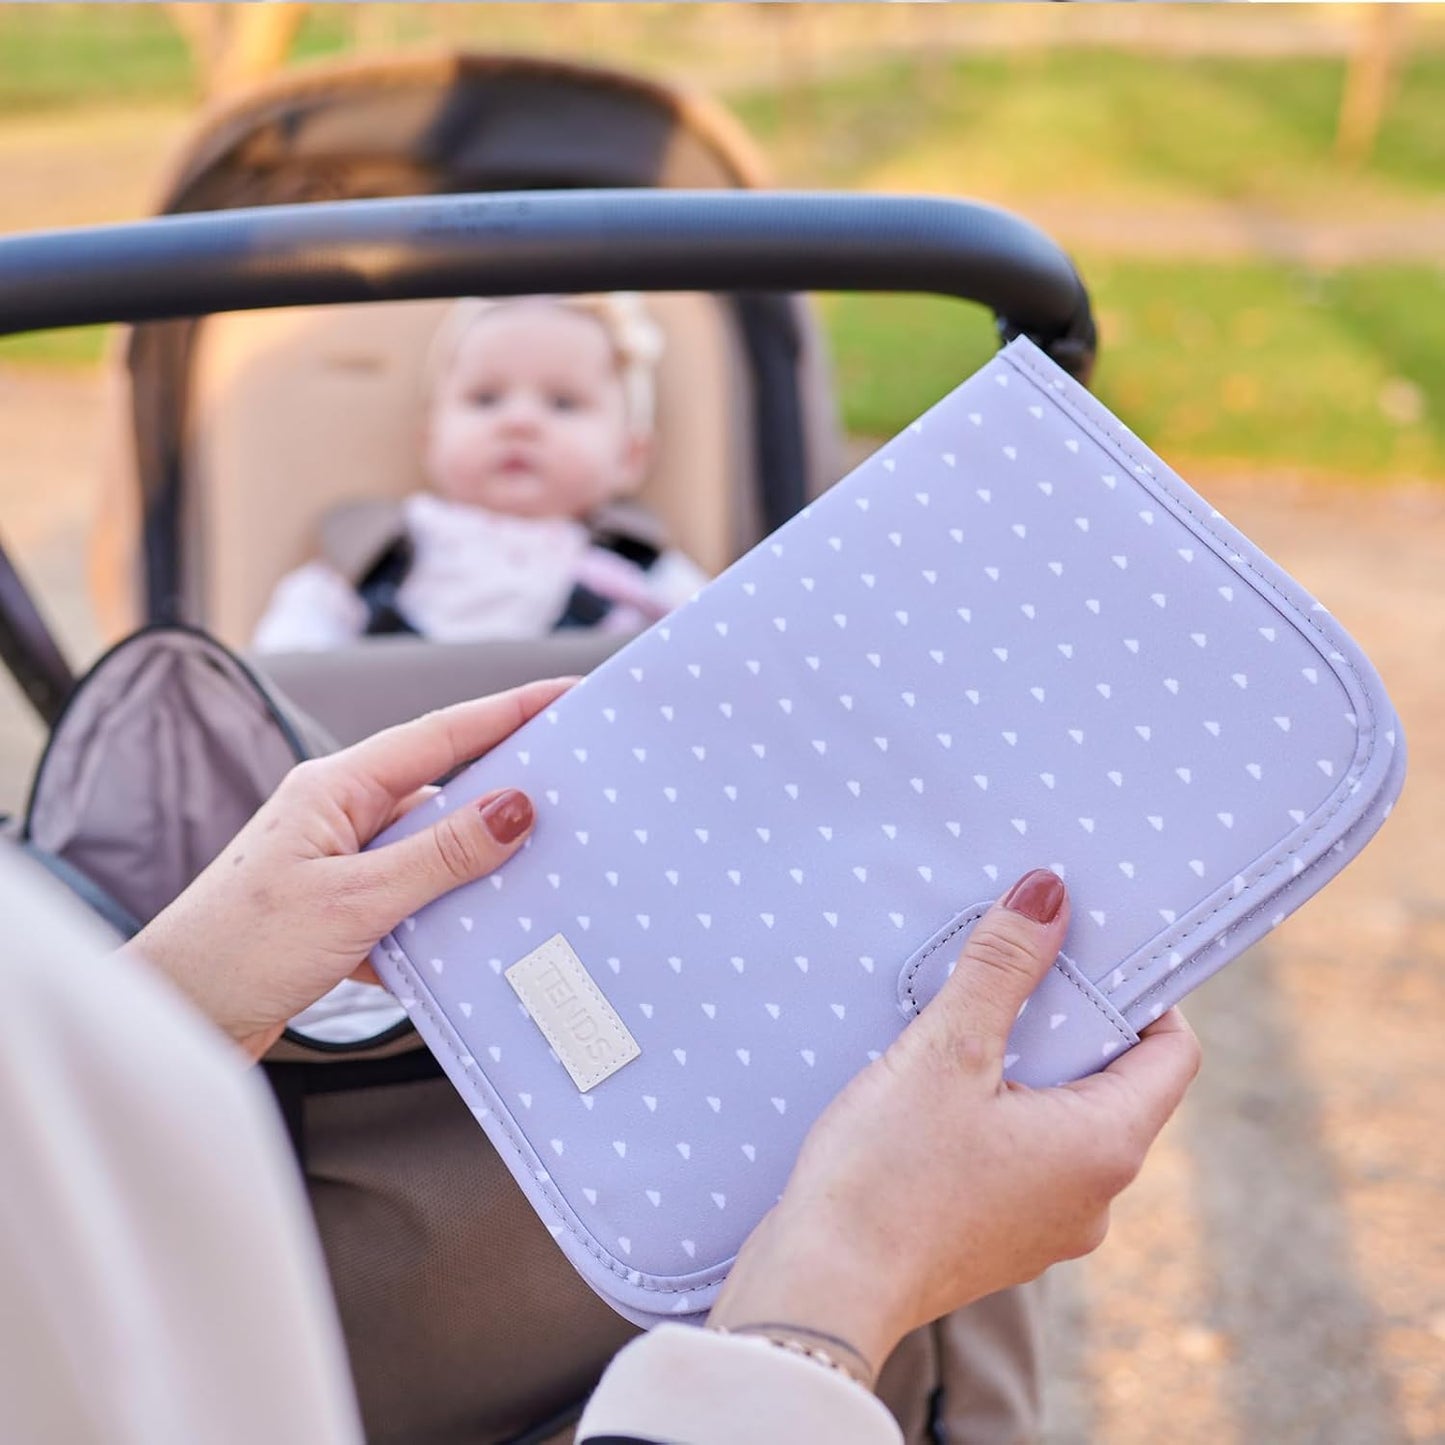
459,122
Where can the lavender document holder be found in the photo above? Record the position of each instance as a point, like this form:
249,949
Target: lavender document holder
1013,637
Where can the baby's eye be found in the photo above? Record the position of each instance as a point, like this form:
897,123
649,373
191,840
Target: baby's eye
565,401
483,398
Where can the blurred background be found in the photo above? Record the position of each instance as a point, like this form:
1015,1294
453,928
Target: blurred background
1256,200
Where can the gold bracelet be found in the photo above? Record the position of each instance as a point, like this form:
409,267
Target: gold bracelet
778,1335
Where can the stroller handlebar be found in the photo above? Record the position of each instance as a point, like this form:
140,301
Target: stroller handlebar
521,242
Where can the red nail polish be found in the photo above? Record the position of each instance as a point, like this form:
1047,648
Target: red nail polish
1038,895
508,815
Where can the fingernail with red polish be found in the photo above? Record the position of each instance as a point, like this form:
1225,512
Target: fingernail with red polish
508,815
1038,895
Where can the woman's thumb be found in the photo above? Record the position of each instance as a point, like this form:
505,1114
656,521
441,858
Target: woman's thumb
1009,950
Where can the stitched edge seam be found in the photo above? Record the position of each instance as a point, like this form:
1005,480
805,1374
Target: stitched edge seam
910,974
972,915
1369,736
499,1111
1161,984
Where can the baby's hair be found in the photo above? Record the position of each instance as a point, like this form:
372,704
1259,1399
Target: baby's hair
635,337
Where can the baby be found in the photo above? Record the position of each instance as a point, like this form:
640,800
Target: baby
540,419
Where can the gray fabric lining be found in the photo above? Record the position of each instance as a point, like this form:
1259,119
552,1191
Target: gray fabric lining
163,752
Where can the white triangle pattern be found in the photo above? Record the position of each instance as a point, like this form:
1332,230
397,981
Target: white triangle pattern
768,805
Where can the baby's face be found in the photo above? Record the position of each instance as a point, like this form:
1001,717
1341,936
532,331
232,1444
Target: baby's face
531,419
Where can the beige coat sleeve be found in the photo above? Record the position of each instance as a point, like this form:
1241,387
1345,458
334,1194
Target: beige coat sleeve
159,1279
160,1283
697,1387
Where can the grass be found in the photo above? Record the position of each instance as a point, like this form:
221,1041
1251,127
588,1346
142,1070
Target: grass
76,346
1280,365
59,56
1242,364
1069,121
66,56
1103,126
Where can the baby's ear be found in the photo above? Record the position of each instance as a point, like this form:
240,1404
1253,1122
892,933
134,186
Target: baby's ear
636,458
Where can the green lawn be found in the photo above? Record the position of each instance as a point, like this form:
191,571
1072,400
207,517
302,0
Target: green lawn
1104,126
59,56
1071,121
64,56
1261,363
78,346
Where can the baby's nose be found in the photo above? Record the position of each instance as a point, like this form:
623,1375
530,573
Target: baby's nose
521,410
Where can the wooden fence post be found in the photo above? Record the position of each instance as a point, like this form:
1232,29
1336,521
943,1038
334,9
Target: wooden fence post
234,45
1367,83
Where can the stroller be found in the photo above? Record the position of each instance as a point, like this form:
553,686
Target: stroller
463,1321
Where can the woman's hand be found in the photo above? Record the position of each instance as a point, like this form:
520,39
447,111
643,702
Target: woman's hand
930,1182
292,906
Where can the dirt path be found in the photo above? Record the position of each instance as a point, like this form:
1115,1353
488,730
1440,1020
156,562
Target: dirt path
1277,1275
1219,231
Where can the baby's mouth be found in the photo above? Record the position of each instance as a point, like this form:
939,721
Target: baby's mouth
516,464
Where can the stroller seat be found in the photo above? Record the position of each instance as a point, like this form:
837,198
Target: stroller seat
294,412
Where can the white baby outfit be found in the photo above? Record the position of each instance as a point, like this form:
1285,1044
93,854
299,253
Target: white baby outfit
475,575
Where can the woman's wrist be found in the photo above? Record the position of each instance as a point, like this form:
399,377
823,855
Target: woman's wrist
824,1348
795,1285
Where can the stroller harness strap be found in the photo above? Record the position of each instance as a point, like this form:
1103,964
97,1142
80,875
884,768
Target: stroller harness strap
381,583
379,588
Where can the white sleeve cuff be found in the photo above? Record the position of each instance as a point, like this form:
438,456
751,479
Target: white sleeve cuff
674,578
312,608
698,1387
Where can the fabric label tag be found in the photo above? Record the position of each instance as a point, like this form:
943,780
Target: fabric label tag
574,1017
